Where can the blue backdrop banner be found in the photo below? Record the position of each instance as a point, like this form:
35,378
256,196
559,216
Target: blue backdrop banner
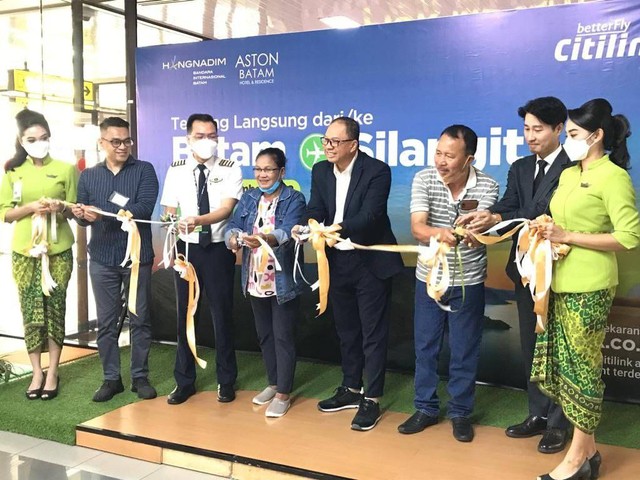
404,83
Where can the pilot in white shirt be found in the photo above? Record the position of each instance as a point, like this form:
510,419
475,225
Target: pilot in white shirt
203,190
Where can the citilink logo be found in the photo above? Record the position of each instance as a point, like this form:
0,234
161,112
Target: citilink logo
311,151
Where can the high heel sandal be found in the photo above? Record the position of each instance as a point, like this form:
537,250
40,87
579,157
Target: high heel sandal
595,461
36,392
583,473
51,394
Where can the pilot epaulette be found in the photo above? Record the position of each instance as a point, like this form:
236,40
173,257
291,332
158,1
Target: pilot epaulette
226,163
179,163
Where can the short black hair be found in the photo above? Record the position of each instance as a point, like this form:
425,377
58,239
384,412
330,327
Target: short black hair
276,155
353,128
116,122
466,134
549,110
200,117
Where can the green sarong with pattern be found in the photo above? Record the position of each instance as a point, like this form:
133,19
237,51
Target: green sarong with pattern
43,316
567,361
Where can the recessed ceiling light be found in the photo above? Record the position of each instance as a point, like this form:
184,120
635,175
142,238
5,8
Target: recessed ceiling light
340,21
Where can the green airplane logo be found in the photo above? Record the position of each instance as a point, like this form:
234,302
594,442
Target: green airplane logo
311,151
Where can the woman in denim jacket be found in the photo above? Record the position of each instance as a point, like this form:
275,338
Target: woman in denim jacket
269,212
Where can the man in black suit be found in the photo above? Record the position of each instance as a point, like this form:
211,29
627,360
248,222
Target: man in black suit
530,184
351,189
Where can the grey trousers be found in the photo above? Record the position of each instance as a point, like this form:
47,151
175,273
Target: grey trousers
107,283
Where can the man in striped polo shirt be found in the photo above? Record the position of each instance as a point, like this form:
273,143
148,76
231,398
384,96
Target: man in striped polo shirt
120,182
438,196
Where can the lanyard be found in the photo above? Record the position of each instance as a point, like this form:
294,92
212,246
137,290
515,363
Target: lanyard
200,189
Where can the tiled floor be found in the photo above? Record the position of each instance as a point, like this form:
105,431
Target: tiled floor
27,458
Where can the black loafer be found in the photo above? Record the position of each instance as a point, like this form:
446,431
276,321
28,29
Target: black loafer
553,441
417,423
531,427
181,395
462,429
226,393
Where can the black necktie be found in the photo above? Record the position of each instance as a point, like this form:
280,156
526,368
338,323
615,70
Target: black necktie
203,206
539,176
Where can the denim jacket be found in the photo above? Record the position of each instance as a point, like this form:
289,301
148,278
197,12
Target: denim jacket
291,205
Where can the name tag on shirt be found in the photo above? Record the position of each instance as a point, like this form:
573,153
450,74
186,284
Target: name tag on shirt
118,199
17,191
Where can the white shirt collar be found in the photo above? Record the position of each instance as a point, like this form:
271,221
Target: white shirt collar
193,163
472,180
347,171
551,157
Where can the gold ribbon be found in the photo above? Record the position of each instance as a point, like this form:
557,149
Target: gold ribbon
188,273
319,237
263,255
434,255
534,257
132,254
39,249
491,239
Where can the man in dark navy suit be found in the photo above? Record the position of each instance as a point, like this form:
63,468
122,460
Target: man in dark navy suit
530,184
351,189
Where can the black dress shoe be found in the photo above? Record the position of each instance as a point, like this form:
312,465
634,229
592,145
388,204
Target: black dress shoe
594,463
531,427
417,423
181,395
36,392
226,393
583,473
51,394
108,389
462,429
553,440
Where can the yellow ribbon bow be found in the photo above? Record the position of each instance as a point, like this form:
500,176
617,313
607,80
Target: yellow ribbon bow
132,254
534,257
39,249
188,273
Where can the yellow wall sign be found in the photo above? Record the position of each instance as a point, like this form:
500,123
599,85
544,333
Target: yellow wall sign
51,87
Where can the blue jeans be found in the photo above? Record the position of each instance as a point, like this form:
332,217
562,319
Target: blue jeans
465,333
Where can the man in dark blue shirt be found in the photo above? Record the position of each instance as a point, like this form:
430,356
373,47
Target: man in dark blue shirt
120,182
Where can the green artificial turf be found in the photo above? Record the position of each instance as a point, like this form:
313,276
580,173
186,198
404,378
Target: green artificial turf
56,420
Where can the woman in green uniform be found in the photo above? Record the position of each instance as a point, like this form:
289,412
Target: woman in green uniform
594,211
35,186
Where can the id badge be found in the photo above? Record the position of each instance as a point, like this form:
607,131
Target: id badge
118,199
17,191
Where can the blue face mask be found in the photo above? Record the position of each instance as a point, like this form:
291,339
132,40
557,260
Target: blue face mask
271,189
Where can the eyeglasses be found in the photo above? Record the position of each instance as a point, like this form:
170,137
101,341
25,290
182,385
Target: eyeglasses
334,142
116,142
264,170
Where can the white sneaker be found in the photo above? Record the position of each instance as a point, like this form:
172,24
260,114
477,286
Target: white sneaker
265,396
277,408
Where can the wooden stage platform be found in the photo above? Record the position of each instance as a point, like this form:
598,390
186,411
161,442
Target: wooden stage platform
236,440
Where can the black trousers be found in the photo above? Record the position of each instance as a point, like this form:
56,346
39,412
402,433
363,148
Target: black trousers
276,329
215,268
539,404
360,303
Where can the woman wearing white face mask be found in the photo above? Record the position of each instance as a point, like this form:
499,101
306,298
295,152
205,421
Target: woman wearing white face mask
594,211
32,175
